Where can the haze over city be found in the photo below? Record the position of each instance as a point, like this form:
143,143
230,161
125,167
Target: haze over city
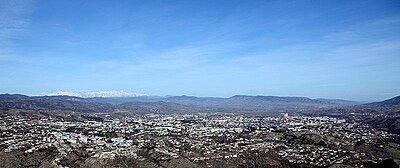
330,49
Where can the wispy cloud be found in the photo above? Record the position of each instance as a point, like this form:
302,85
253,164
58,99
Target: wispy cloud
13,20
13,58
179,59
13,17
369,30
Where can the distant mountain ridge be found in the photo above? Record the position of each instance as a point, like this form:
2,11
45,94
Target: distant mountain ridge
237,103
387,110
67,103
193,100
89,94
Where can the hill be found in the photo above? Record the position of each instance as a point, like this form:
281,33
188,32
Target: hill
68,103
393,102
238,103
384,114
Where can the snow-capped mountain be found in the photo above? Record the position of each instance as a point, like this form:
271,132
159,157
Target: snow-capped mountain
87,94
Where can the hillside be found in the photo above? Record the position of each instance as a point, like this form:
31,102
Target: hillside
68,103
238,103
382,114
155,107
393,102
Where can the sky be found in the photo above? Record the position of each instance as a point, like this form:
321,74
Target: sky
314,48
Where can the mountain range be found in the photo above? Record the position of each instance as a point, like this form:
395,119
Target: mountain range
168,104
237,103
383,115
87,94
67,103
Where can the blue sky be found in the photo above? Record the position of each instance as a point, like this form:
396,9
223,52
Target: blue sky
332,49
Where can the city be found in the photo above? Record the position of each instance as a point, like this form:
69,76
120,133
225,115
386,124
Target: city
201,139
200,84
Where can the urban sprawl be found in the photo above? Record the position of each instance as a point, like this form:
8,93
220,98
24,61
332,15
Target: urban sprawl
200,138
